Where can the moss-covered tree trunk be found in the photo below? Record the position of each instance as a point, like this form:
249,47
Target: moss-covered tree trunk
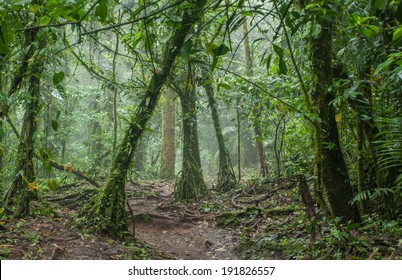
2,113
190,181
329,159
226,175
107,211
168,157
264,167
24,186
18,75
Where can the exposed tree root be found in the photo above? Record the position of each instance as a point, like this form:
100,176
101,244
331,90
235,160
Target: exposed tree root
75,199
237,217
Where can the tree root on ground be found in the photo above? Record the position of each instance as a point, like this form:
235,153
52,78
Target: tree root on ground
75,199
235,217
147,216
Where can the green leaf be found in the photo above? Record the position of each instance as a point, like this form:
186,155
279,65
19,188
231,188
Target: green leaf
39,108
186,50
101,10
47,165
58,77
370,31
3,98
2,134
310,6
282,67
398,13
353,226
267,61
383,66
206,82
380,4
52,184
225,86
55,125
60,88
278,50
34,8
397,35
45,21
221,50
45,154
7,36
210,47
355,19
215,52
214,63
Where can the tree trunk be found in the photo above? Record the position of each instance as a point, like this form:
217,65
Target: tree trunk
115,92
190,181
2,116
238,136
309,206
264,168
107,212
329,158
24,186
140,156
226,176
19,73
168,159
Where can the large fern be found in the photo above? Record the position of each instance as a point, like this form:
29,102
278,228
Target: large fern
389,145
389,152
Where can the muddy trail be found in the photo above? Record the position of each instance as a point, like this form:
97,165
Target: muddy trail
176,231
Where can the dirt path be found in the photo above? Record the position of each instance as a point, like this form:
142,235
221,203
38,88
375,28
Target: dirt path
177,231
167,229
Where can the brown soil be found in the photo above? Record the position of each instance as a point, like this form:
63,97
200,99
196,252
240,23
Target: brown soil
53,237
178,231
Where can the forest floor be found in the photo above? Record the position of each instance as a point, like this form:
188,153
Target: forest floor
256,221
163,230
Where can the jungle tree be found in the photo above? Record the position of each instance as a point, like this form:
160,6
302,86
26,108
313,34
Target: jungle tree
331,168
190,181
107,211
24,185
374,23
168,157
2,117
226,175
